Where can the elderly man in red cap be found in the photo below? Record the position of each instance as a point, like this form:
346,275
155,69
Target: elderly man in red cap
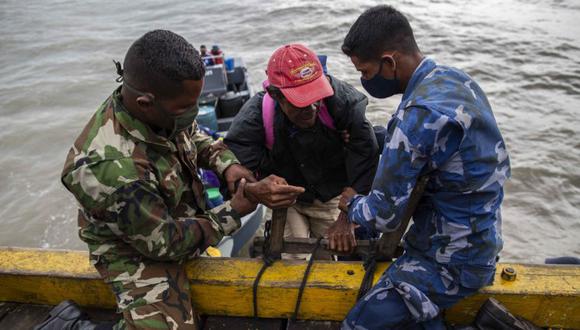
309,128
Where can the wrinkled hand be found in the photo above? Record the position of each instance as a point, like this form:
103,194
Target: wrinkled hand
341,235
345,197
240,203
345,135
236,172
274,192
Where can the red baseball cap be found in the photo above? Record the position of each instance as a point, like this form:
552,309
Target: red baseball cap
297,71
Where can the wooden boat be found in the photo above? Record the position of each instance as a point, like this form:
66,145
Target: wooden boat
548,295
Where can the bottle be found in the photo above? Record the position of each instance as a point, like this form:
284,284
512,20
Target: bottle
211,183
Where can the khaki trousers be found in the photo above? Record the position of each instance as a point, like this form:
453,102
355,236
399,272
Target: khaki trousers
309,221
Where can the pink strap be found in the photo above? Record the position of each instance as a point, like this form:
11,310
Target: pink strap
325,117
268,107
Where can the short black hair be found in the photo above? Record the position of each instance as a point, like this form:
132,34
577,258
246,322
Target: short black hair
379,29
159,61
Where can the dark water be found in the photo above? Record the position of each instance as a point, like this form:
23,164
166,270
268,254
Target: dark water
56,68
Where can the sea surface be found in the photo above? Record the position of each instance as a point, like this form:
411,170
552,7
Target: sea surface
56,68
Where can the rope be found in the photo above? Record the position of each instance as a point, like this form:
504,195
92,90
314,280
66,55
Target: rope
304,279
370,266
268,261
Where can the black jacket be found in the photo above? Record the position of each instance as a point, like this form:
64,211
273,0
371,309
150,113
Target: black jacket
315,158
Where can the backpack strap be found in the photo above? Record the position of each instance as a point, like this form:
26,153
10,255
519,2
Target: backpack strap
268,108
325,117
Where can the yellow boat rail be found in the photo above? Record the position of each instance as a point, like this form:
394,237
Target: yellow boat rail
548,295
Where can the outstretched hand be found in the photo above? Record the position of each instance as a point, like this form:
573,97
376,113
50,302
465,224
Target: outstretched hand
274,192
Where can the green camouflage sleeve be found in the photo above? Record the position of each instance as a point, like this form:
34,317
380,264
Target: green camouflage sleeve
142,220
213,155
228,219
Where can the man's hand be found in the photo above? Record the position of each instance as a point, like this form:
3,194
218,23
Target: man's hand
274,192
240,203
347,194
236,172
341,235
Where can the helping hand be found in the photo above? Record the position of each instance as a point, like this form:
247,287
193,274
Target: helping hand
274,192
341,235
240,203
235,173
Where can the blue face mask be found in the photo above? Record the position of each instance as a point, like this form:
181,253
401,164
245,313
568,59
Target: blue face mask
380,87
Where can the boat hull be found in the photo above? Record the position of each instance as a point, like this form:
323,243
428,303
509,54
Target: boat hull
548,295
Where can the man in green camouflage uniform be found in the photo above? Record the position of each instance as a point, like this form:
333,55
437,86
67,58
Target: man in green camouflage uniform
133,171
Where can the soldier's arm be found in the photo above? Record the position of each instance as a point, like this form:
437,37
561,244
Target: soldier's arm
422,138
140,217
213,155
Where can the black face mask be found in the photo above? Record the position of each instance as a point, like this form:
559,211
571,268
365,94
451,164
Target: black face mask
380,87
180,122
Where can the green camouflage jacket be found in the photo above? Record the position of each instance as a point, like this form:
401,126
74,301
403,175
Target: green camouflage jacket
139,194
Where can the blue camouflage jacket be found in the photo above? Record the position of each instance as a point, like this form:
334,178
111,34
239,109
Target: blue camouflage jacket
443,128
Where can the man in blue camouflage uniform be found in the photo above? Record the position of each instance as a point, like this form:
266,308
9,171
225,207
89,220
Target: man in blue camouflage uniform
444,128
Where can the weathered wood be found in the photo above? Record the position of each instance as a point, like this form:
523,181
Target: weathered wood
277,232
313,325
389,242
306,245
548,295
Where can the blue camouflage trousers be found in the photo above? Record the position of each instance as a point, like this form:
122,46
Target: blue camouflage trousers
409,295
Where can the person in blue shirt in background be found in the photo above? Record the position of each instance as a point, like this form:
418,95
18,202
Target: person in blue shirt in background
443,128
205,56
